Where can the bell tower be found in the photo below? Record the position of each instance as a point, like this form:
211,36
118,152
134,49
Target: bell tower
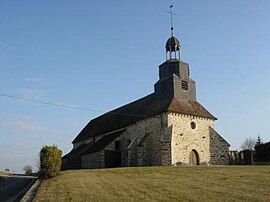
174,76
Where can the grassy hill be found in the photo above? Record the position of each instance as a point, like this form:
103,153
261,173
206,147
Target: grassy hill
232,183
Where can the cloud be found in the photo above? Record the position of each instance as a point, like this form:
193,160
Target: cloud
36,94
31,127
3,100
28,126
22,136
34,79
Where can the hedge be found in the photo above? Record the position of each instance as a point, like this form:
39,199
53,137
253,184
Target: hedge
263,152
50,161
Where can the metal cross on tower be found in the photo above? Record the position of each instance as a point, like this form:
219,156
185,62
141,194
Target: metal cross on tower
171,14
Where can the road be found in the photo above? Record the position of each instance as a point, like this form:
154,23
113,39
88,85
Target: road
14,187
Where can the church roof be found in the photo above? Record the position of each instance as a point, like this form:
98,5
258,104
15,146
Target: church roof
99,145
103,142
145,107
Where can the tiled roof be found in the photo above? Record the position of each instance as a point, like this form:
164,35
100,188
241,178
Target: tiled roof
145,107
189,108
99,145
103,142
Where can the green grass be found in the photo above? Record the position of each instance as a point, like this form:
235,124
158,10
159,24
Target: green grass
232,183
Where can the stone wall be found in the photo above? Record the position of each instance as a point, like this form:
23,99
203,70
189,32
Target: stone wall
219,149
147,142
72,162
185,139
165,139
93,160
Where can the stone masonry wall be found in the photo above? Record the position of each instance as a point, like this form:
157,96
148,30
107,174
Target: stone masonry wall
165,139
148,143
219,149
93,160
185,139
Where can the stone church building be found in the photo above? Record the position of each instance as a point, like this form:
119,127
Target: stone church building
166,127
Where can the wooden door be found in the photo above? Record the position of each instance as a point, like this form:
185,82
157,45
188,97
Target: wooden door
194,157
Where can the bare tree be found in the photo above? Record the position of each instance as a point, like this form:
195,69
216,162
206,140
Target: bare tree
28,169
248,144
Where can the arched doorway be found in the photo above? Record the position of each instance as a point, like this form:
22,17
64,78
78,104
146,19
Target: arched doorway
194,157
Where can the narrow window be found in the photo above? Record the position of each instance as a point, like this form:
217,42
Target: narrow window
117,145
185,85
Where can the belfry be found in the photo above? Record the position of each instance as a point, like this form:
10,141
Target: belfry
166,127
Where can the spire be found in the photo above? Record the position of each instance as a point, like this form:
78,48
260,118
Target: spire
172,44
171,15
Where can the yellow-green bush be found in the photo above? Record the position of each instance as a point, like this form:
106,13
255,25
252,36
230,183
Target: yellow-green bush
50,161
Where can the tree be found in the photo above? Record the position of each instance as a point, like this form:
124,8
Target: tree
50,161
259,140
28,170
248,144
263,152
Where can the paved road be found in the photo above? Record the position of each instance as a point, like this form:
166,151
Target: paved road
14,187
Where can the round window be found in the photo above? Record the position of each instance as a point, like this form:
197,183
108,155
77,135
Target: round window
193,125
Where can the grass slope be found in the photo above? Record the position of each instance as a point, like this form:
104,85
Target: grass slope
232,183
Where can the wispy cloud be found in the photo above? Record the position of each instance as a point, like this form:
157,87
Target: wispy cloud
33,79
3,100
36,94
28,126
22,137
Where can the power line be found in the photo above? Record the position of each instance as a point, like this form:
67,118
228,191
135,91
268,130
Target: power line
47,103
64,106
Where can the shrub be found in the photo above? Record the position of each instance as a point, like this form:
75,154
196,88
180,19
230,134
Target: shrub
50,161
28,170
263,152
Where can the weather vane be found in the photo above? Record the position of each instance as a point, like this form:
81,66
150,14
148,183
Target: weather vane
171,14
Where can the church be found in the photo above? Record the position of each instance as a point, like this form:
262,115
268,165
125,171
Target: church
166,127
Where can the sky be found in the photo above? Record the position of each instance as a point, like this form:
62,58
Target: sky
103,54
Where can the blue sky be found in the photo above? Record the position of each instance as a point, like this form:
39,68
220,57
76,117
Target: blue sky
103,54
